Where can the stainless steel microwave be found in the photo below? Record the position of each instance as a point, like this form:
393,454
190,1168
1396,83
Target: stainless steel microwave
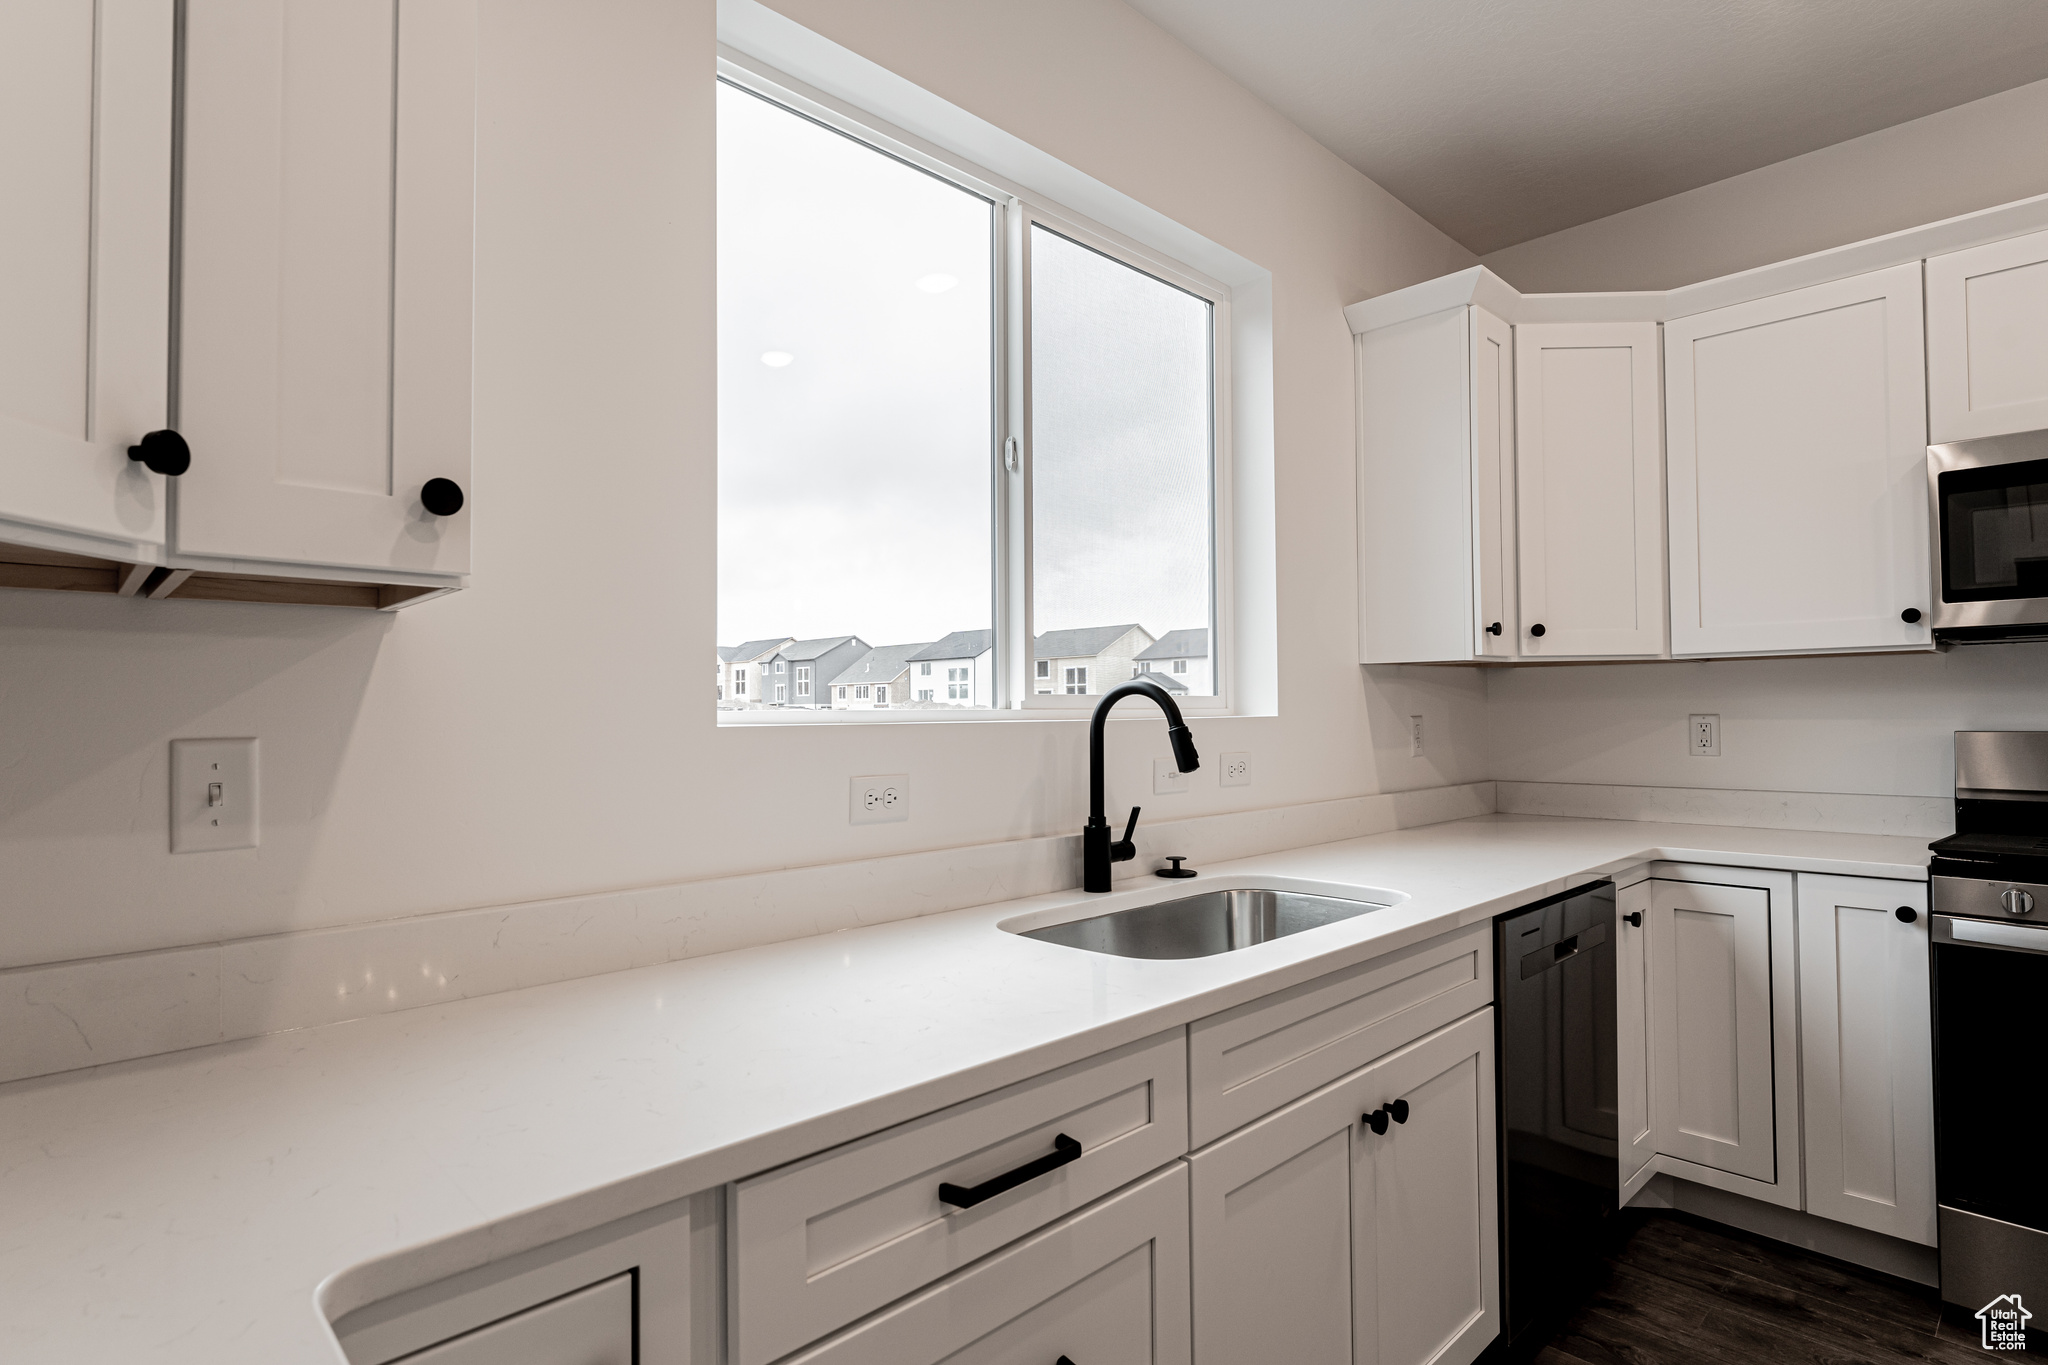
1989,502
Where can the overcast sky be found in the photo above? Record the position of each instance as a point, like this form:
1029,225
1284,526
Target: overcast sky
855,401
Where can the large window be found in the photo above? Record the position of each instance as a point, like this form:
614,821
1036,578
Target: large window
945,410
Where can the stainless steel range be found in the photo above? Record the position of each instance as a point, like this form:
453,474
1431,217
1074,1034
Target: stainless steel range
1990,934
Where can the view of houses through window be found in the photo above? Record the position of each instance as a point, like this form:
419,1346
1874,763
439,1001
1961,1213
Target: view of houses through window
861,458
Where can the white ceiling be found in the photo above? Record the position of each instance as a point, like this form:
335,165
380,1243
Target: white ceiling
1502,120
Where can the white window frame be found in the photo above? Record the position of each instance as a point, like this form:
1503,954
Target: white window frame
739,682
1014,679
803,680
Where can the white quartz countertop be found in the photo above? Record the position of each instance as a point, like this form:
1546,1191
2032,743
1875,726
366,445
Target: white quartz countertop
217,1206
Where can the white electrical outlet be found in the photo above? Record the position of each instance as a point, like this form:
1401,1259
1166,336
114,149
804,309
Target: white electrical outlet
880,800
213,794
1706,736
1415,737
1167,778
1237,769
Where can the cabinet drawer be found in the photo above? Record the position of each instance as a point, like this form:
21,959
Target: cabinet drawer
1249,1061
818,1243
1108,1286
592,1326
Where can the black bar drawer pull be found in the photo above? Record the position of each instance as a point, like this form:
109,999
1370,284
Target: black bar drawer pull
1064,1149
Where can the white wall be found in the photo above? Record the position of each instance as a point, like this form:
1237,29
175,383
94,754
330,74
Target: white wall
1971,157
549,731
1872,725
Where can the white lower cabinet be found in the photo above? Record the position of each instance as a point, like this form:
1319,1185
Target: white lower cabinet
592,1326
1637,1133
1868,1085
1707,1041
1106,1286
1712,1025
822,1241
1318,1238
641,1291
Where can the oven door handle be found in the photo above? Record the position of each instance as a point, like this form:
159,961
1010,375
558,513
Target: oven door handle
1988,933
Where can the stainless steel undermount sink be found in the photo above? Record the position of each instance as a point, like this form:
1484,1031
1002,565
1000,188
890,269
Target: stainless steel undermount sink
1202,925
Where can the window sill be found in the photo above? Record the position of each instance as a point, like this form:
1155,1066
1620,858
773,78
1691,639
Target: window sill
942,715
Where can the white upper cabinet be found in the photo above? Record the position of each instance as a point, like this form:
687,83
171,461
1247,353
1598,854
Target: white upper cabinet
1590,489
1987,340
85,155
325,296
1798,433
1435,492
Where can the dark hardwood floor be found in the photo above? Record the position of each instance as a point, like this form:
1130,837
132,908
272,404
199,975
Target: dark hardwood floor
1682,1290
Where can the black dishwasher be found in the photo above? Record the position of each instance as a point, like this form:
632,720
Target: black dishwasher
1554,976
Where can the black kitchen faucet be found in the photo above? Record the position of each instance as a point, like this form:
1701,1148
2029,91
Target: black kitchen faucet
1097,850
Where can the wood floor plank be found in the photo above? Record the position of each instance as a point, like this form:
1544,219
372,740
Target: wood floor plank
1681,1291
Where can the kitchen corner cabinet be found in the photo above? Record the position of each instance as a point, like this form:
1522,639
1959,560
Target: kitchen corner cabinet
1865,1026
85,274
320,376
1358,1224
1797,431
1723,1048
1435,489
1636,1130
1987,340
1589,486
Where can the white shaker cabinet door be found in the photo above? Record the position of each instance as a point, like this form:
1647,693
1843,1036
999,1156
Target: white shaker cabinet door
1589,482
324,364
1321,1241
592,1326
1710,983
1866,1031
1435,489
85,277
1798,453
1637,1131
1987,340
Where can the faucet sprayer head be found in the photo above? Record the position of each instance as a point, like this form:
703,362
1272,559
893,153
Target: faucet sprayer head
1184,755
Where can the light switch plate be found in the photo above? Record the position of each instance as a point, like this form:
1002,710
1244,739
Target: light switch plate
1167,778
213,794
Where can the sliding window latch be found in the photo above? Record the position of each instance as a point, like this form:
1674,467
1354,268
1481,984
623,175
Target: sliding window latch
1010,454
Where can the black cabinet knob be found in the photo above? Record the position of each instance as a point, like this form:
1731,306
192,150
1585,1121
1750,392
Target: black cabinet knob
1376,1120
1399,1109
1907,914
1634,919
1911,615
1536,629
162,452
442,497
1493,629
